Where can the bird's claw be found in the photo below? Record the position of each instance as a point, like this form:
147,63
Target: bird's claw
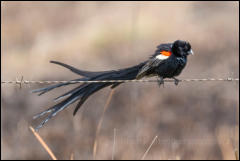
176,81
161,82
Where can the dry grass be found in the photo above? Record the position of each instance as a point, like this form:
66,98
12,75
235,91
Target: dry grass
146,152
72,156
236,154
114,142
100,123
42,142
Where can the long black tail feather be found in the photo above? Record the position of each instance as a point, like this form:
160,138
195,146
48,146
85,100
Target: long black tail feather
55,109
49,88
88,92
85,90
78,71
74,90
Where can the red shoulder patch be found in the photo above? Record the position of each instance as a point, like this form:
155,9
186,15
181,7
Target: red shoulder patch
166,53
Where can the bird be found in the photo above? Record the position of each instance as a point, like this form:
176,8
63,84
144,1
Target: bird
168,61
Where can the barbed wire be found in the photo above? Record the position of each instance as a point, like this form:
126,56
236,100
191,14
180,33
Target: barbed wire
22,81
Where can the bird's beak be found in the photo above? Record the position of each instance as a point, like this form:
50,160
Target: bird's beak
190,52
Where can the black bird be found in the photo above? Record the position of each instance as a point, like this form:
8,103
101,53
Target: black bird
167,62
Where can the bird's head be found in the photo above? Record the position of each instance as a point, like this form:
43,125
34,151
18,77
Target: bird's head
181,48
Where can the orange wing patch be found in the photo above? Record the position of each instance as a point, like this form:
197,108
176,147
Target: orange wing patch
166,53
163,55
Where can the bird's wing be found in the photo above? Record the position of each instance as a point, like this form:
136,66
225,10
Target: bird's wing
153,62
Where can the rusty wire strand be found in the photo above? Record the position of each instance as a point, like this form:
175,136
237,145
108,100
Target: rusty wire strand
22,81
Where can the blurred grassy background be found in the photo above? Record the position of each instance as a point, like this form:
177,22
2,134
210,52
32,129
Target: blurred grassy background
197,120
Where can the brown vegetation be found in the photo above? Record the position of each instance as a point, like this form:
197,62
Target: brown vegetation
194,120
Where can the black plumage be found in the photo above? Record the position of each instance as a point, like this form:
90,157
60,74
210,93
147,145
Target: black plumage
167,62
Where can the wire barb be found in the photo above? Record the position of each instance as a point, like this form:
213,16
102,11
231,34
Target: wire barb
19,82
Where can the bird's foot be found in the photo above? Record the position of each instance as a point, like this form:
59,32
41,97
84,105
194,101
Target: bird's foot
176,81
160,82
